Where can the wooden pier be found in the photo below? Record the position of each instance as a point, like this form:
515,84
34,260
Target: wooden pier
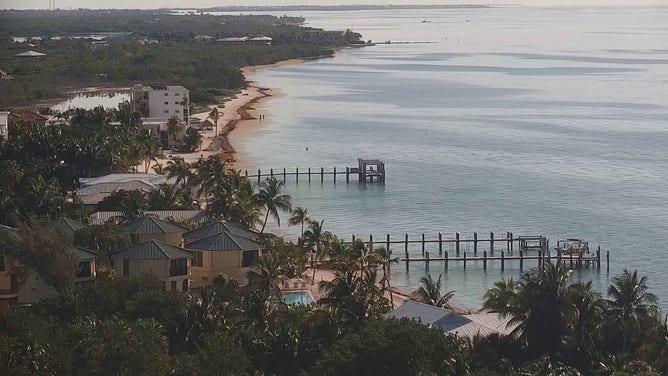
365,172
506,248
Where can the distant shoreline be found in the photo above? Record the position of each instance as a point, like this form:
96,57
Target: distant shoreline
259,8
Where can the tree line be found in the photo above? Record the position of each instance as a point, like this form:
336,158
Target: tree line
132,326
159,48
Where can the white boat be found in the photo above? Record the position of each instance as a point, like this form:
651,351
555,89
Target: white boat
572,246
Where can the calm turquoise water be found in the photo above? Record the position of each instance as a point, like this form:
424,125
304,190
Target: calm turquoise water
300,297
550,121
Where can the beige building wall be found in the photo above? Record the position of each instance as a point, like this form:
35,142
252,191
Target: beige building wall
157,268
34,290
219,262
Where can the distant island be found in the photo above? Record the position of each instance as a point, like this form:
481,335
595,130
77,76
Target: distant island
272,8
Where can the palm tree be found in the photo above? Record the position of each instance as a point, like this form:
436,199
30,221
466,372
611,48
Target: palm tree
169,197
501,297
384,257
315,236
180,169
299,216
542,306
271,197
150,151
209,174
158,168
266,274
430,292
631,306
215,115
584,341
174,127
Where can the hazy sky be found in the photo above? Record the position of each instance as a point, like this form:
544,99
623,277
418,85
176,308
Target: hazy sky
96,4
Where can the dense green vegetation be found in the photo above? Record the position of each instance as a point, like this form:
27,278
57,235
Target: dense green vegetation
119,326
46,162
159,47
132,326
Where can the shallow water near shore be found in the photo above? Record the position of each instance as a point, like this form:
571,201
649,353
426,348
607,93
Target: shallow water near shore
530,120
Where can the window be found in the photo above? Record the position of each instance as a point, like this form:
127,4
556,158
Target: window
83,269
126,267
184,286
177,94
177,110
178,267
198,258
2,263
249,258
166,111
166,102
166,93
177,103
173,287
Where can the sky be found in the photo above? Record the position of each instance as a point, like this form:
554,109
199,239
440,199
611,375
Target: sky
152,4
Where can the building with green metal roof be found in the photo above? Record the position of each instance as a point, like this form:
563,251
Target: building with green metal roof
223,253
216,228
63,225
151,228
168,263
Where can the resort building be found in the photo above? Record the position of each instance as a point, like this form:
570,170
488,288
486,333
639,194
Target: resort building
34,289
261,40
220,248
9,287
63,225
30,55
198,217
162,103
217,228
151,228
231,41
166,262
27,118
94,190
469,326
4,126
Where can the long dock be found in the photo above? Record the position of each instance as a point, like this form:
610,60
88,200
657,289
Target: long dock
467,250
368,170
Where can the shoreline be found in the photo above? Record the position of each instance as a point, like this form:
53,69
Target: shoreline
235,113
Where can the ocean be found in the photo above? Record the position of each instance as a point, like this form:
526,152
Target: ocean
545,121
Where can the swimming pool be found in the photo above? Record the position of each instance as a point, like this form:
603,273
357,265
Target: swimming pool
297,297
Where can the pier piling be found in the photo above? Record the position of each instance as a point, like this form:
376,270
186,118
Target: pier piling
440,244
484,260
423,244
475,243
457,243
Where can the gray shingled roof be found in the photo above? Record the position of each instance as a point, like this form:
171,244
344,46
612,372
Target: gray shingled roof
217,228
197,216
482,324
152,225
225,241
64,225
84,254
153,179
152,250
93,194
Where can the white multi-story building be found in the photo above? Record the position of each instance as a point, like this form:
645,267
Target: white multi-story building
4,125
162,103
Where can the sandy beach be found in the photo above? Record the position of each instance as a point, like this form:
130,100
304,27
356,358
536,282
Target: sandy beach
237,114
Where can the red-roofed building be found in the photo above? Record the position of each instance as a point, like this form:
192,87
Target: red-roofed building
27,117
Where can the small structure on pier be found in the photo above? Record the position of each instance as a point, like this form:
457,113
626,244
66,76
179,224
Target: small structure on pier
366,170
